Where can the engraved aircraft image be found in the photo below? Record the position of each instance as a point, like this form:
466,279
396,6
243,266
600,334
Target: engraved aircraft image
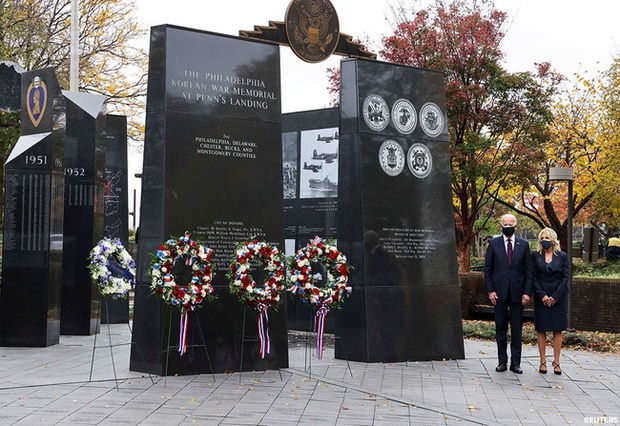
325,156
327,139
314,167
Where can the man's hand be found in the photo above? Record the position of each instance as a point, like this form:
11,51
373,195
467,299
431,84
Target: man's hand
525,299
545,300
493,298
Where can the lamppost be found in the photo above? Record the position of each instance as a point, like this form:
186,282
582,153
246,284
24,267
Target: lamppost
74,70
566,174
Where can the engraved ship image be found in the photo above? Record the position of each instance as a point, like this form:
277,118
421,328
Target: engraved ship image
323,184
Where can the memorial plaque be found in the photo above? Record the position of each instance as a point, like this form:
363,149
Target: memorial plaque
83,218
213,167
395,216
115,205
34,190
310,147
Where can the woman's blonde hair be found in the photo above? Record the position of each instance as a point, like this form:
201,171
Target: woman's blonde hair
553,236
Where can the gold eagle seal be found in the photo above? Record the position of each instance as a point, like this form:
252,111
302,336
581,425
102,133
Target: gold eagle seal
312,29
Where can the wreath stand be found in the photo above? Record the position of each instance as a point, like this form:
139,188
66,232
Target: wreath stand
171,348
308,350
104,301
247,339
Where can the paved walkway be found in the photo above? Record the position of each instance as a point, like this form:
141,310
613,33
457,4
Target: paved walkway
52,386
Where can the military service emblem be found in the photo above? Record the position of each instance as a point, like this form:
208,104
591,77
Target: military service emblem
391,157
36,100
312,28
404,116
376,112
419,160
431,119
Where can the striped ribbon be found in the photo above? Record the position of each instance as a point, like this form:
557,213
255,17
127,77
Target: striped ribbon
183,331
319,328
263,329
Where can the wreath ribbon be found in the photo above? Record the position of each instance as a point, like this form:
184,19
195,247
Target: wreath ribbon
263,329
319,329
183,331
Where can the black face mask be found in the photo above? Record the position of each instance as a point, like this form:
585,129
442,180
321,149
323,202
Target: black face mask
508,230
546,244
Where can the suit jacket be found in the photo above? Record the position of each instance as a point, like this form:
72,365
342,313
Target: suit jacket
551,282
500,276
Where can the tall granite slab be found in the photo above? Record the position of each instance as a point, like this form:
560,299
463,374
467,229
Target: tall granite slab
212,166
33,218
83,218
395,216
10,86
115,204
310,141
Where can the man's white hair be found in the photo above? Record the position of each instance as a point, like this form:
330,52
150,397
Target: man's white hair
508,216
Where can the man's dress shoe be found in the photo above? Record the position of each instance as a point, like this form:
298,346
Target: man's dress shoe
501,367
516,369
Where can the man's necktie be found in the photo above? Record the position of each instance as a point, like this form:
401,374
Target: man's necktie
509,251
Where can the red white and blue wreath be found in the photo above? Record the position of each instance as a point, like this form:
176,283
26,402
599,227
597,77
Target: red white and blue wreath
335,288
186,296
112,268
258,253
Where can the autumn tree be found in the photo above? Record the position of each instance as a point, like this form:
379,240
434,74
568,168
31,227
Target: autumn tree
606,199
36,34
583,136
495,117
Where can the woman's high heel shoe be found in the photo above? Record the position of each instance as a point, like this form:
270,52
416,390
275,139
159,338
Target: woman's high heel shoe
540,369
556,368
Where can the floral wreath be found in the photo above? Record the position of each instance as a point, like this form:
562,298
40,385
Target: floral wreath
242,284
336,266
112,268
334,291
190,295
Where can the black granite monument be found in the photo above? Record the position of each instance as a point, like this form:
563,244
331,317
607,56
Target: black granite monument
10,86
212,166
395,216
310,141
33,221
115,205
83,219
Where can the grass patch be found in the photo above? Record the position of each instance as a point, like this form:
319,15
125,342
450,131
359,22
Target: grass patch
585,340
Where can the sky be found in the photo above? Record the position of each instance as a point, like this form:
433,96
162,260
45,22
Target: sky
575,36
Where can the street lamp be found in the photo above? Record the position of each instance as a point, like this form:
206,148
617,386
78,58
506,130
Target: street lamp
566,173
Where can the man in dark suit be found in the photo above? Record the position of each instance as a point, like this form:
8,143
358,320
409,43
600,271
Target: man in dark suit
507,275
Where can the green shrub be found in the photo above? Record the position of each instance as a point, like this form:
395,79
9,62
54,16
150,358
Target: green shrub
476,264
601,269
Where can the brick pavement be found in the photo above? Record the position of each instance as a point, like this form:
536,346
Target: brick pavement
50,386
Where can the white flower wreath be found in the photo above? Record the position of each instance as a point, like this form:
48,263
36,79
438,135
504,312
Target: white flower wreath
112,268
